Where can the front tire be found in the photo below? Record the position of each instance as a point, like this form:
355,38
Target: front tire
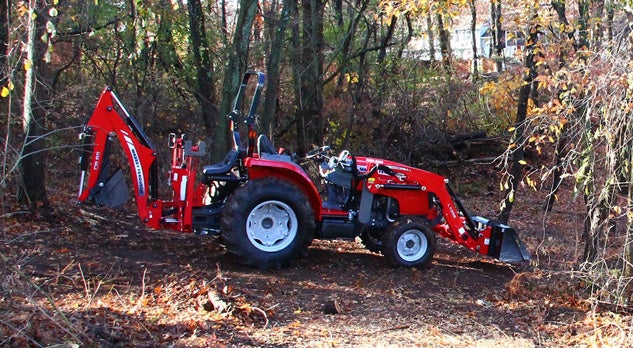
369,240
267,223
409,242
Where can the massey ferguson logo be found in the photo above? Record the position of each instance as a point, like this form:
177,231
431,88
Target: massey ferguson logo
97,162
140,179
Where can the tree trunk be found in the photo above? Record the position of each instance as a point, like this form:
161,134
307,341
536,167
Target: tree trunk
517,141
357,89
597,222
237,65
312,71
4,79
628,256
628,241
384,43
32,190
609,23
274,68
498,38
445,42
166,47
473,32
347,45
560,153
4,35
296,78
205,89
431,36
583,20
598,35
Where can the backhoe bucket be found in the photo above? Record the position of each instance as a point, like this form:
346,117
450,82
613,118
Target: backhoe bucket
505,243
114,192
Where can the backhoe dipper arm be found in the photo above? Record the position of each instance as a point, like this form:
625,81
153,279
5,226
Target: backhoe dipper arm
109,119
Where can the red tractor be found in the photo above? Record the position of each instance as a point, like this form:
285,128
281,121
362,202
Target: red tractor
264,204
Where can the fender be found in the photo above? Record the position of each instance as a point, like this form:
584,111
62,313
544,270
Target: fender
288,171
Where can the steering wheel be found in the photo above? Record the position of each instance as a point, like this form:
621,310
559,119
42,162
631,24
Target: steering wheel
341,160
318,152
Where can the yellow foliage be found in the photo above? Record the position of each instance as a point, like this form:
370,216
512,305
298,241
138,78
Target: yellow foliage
28,64
500,96
22,9
351,77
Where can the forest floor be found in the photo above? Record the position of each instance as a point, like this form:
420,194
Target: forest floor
92,277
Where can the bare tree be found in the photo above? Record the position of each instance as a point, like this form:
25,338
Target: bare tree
32,189
237,64
311,92
498,37
278,34
4,35
205,91
473,33
518,139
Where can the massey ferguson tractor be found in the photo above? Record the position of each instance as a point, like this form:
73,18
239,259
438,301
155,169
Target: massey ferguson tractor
265,206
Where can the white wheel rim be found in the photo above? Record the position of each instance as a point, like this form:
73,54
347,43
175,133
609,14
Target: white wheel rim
412,245
271,226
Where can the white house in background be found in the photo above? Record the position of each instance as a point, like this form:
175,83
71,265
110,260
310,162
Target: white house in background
513,44
462,46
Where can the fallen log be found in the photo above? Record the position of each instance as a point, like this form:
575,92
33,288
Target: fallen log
458,138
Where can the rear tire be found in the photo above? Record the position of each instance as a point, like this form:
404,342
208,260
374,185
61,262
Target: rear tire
267,223
409,242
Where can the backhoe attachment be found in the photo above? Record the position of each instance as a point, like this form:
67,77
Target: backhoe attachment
100,182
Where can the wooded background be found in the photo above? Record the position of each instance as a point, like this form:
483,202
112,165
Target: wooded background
340,73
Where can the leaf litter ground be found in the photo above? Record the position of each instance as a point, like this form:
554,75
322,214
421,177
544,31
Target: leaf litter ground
96,277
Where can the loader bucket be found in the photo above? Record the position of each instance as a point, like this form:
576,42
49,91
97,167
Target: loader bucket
505,243
512,247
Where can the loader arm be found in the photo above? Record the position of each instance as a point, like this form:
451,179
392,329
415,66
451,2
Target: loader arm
110,119
477,233
422,193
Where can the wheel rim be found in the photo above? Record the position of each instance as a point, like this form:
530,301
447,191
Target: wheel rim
271,226
412,245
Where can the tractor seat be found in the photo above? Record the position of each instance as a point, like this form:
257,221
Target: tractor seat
222,167
266,150
264,145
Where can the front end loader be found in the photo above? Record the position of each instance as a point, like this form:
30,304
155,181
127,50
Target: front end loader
266,207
